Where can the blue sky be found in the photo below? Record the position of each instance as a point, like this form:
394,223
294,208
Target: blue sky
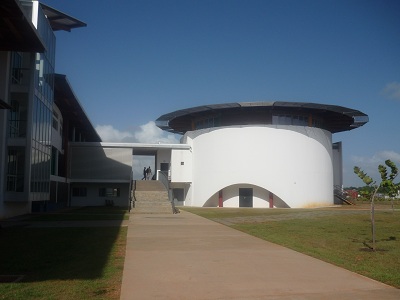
137,60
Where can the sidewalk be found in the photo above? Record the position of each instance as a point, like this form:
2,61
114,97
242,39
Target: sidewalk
185,256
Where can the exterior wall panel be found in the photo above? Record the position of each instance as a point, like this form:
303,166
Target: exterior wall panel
293,162
181,166
98,163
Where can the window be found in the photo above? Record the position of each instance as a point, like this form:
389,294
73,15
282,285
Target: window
79,192
17,119
54,161
16,72
14,119
298,120
209,122
55,120
109,192
15,169
61,125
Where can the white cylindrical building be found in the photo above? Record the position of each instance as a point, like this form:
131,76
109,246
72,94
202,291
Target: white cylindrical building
265,154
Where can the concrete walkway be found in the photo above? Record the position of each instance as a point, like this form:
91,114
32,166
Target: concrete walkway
185,256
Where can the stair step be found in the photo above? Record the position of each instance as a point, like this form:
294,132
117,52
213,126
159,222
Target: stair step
150,185
151,198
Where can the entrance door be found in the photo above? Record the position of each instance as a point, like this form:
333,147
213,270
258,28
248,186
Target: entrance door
164,167
245,197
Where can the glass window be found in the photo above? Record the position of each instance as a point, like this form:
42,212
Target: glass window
297,120
79,192
207,123
55,120
54,156
15,169
109,192
14,119
16,68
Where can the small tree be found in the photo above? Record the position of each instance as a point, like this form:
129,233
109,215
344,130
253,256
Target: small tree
390,188
386,183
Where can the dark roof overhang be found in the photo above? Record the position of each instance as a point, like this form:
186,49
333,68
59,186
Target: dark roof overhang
71,109
336,118
59,20
17,33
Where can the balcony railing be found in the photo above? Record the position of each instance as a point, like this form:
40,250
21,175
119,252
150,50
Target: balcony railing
20,76
17,128
15,183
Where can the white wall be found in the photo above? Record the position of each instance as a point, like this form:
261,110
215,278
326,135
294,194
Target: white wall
293,162
93,199
100,163
181,166
93,167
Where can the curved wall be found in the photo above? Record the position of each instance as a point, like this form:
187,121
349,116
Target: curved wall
293,162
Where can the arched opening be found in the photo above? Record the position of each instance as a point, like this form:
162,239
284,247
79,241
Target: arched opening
245,195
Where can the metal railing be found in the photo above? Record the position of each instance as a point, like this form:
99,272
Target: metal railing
20,76
164,179
341,194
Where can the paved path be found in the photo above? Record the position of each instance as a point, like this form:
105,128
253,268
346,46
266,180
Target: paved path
57,224
185,256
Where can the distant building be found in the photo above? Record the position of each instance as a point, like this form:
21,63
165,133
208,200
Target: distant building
352,194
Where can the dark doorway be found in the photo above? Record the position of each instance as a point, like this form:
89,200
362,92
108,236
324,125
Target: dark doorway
179,194
164,167
245,197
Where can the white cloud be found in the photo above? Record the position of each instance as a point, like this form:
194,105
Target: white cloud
392,90
377,158
147,133
109,134
150,133
370,165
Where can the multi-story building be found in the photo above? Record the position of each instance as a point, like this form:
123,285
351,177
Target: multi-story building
36,122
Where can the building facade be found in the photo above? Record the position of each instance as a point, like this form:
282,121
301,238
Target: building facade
259,154
251,154
33,139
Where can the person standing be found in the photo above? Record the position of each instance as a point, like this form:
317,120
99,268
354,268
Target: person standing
144,173
149,173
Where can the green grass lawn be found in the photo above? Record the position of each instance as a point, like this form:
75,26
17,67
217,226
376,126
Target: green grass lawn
333,235
87,263
64,263
97,213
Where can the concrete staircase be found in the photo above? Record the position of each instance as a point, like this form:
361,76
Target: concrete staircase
151,198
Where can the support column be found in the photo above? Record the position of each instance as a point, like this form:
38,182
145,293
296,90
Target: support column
271,200
220,201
